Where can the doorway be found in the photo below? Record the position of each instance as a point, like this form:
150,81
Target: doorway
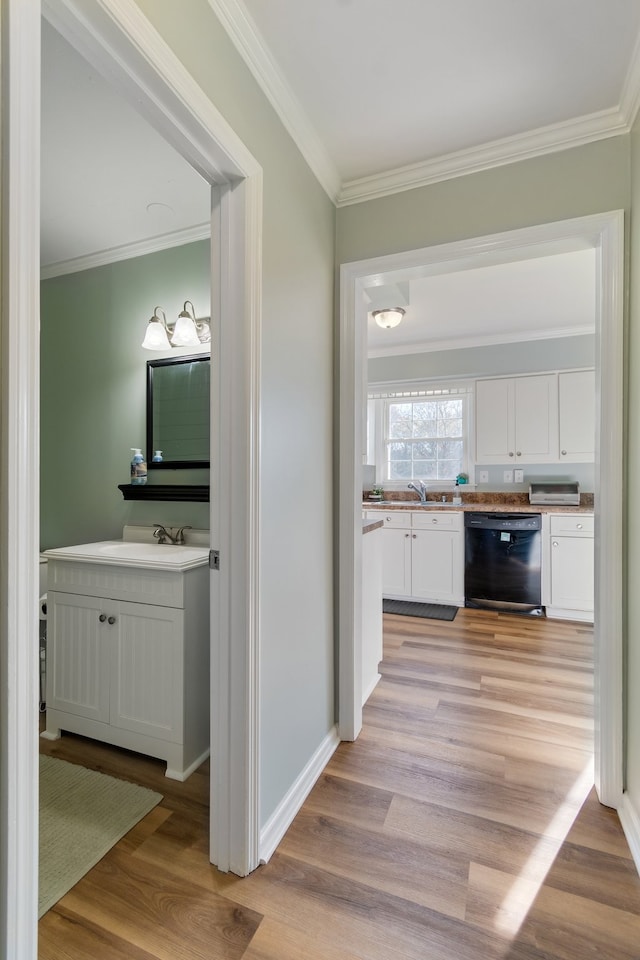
119,44
604,233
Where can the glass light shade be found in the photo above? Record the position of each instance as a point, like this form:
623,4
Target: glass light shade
388,318
156,336
184,333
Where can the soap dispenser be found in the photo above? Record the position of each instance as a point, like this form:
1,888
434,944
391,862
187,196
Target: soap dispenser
457,499
157,457
138,466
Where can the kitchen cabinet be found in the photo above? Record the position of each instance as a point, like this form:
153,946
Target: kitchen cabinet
517,419
423,556
577,405
125,670
570,558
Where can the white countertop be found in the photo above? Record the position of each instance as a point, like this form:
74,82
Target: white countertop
128,553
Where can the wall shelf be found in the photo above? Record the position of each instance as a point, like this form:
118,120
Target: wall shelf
165,491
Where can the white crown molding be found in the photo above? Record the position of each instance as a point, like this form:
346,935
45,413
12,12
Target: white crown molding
245,36
550,139
127,251
462,343
630,99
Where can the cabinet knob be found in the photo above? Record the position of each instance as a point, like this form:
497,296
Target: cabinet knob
102,617
111,620
510,453
563,452
407,535
434,520
414,536
519,454
579,526
555,543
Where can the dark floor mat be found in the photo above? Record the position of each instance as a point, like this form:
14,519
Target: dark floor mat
409,608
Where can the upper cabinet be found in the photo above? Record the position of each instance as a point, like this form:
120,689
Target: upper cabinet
517,419
577,407
545,418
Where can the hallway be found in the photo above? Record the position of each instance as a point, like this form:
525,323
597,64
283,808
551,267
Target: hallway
461,825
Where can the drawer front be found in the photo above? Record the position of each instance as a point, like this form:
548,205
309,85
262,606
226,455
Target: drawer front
438,519
161,587
572,525
395,518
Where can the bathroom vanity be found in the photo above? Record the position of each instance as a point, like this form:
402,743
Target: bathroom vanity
128,648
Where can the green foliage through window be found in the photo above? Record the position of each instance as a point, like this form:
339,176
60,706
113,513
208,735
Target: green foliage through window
425,438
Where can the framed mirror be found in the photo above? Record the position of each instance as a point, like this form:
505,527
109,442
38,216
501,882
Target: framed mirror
178,405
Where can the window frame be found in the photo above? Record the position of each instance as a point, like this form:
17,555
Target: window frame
378,399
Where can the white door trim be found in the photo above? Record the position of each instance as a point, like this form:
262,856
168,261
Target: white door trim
19,477
118,40
604,232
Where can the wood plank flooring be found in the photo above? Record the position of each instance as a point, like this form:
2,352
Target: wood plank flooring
461,825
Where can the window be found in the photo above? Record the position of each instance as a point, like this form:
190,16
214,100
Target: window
424,439
421,433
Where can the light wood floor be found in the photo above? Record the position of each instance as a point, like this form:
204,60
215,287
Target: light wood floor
462,825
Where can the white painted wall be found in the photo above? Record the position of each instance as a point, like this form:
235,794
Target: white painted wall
296,565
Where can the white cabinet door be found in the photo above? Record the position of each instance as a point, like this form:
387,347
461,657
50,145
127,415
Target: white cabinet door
494,421
572,573
536,418
78,662
576,399
517,420
147,671
396,562
434,565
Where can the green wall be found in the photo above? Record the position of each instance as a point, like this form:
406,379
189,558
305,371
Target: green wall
93,391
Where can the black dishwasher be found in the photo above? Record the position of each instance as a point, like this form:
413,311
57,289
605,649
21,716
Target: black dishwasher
502,560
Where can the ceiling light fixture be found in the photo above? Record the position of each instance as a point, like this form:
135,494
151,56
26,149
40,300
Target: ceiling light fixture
185,332
388,318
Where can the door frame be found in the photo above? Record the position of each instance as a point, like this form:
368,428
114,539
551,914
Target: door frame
605,233
121,44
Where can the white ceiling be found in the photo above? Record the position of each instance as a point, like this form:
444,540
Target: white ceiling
380,96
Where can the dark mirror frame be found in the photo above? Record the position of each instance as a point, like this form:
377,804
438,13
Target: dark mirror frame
153,444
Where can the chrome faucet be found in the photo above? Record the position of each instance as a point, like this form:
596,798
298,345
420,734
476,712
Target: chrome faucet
421,490
162,534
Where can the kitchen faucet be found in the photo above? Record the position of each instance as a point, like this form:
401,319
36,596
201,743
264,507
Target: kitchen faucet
421,490
162,534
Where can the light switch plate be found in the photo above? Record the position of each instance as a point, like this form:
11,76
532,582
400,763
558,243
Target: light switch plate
508,476
483,476
518,476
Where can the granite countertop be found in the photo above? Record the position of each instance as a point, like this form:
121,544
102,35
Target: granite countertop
484,503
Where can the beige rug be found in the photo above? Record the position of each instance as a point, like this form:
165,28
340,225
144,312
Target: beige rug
82,815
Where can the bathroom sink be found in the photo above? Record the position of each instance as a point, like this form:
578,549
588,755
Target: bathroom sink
130,553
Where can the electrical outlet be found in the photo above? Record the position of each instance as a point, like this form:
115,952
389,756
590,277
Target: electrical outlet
483,476
508,476
518,476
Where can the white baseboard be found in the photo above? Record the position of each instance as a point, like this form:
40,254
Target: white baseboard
281,819
630,820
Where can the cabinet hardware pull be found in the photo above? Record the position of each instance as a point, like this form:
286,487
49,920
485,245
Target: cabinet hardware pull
111,620
519,454
511,453
579,526
407,535
435,520
102,617
563,452
555,543
414,536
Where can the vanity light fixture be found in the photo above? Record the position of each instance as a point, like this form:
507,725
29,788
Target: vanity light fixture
185,332
388,318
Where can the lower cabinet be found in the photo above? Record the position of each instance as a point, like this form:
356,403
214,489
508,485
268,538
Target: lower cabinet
423,556
571,567
132,674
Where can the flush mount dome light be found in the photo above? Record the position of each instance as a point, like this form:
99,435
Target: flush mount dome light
388,318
